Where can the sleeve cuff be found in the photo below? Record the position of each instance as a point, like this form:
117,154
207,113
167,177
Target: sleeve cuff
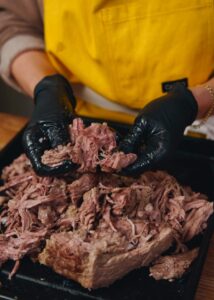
11,49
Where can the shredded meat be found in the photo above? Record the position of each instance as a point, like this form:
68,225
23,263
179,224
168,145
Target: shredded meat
121,223
78,187
90,147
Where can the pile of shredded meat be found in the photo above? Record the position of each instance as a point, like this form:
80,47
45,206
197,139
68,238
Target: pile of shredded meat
89,224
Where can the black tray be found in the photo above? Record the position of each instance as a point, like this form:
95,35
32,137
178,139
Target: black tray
193,164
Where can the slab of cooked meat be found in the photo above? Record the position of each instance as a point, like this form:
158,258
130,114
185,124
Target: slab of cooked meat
102,260
84,225
172,266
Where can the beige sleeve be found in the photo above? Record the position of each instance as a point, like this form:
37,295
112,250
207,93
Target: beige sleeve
21,29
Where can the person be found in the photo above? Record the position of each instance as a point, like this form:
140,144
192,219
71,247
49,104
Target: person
146,63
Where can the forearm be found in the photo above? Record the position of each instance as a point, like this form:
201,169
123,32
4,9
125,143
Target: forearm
29,68
203,98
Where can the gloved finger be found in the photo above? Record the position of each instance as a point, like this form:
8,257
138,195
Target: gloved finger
131,141
56,133
35,154
44,170
35,144
157,149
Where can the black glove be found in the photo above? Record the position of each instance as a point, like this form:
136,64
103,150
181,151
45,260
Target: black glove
158,129
48,128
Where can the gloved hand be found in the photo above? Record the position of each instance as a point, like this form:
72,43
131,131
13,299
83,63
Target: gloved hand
158,129
48,128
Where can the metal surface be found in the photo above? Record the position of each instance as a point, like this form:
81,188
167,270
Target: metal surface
193,165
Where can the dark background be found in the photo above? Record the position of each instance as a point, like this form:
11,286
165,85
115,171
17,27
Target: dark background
13,102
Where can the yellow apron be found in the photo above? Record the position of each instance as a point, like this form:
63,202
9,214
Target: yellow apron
124,50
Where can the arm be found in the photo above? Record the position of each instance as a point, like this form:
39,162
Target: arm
34,66
25,66
21,30
162,122
203,98
160,125
54,106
